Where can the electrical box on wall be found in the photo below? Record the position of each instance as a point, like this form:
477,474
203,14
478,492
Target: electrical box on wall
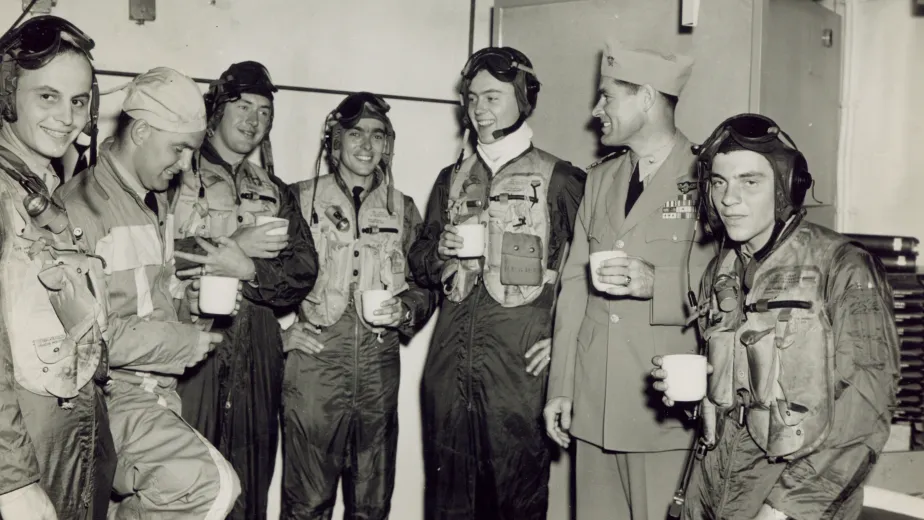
141,11
40,6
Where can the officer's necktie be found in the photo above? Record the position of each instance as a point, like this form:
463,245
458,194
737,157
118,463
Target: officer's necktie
151,201
635,189
357,197
82,162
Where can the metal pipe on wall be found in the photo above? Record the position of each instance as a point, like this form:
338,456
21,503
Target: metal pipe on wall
297,88
317,90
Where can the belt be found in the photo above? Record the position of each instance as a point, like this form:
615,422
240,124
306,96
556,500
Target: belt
142,379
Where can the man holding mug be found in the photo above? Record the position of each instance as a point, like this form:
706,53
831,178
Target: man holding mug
343,365
801,342
636,230
234,397
497,232
120,213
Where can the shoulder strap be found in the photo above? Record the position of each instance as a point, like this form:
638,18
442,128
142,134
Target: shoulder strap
307,191
608,157
18,171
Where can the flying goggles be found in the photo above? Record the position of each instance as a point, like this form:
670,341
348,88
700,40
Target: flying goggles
34,44
498,61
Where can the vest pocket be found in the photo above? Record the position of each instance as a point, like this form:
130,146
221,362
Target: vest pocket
397,263
763,363
521,260
722,358
321,242
805,407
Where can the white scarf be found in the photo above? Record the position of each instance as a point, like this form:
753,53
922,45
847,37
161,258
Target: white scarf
502,151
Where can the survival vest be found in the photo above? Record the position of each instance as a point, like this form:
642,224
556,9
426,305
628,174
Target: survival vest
358,256
53,320
514,207
212,203
778,363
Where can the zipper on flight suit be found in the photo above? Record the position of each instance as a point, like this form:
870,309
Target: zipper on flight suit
471,348
356,324
356,343
89,459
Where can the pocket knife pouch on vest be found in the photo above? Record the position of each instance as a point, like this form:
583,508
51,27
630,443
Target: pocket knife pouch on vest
521,260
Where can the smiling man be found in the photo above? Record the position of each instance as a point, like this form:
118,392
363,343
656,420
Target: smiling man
639,202
800,336
485,454
343,370
234,397
57,459
119,211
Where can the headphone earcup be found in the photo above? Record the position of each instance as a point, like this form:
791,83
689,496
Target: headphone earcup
326,141
7,88
211,98
532,90
708,214
335,136
800,180
94,108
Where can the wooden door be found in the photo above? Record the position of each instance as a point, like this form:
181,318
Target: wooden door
800,78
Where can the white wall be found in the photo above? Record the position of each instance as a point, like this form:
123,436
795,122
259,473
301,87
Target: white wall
417,47
882,171
401,47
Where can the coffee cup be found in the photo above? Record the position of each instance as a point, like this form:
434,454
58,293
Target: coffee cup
472,240
372,301
217,295
596,259
686,376
275,231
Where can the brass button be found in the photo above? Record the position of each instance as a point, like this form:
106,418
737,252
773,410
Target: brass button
620,244
614,318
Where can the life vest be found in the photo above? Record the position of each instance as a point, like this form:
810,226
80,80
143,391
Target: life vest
363,256
53,321
212,203
778,363
513,205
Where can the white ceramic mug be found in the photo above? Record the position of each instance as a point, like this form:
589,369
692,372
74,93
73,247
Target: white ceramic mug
217,295
372,301
596,259
287,321
472,240
686,376
276,231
